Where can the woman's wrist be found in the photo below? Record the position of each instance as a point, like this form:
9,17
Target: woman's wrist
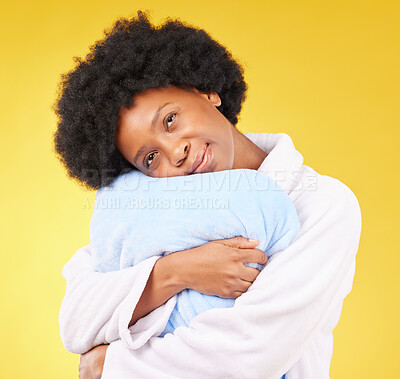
165,280
178,267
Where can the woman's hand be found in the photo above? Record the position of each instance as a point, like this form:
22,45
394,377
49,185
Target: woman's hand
218,267
92,362
215,268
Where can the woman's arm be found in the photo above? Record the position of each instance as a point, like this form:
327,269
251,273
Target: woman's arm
271,325
163,283
215,268
98,308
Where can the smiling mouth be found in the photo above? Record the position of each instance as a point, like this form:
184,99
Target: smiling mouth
205,160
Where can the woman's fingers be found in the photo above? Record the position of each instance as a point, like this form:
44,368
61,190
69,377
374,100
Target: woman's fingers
249,274
239,242
236,294
253,256
244,285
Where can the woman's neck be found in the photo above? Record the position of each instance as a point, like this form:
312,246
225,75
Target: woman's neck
247,154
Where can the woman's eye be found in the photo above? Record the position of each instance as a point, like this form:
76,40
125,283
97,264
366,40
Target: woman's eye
170,120
149,159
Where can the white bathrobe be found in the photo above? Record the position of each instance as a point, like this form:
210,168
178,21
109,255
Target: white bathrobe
282,324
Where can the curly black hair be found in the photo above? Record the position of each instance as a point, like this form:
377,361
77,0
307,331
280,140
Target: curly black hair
132,57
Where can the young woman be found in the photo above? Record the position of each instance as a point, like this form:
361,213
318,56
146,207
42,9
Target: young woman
165,100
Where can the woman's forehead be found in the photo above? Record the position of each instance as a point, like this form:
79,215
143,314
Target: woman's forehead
160,93
147,103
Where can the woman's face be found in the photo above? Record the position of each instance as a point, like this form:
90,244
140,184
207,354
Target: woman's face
174,132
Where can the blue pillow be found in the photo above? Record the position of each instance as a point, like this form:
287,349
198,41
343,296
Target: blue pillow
139,216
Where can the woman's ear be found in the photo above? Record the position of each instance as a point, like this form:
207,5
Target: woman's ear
212,97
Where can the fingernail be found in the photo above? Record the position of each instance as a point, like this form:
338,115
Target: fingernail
252,240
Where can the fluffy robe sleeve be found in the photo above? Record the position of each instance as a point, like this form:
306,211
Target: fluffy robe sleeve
90,316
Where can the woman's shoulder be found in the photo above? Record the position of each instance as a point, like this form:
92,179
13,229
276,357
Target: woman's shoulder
324,195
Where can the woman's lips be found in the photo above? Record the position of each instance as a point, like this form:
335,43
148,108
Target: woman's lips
206,161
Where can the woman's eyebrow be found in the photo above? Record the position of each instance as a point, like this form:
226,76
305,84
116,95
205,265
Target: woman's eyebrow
153,124
157,114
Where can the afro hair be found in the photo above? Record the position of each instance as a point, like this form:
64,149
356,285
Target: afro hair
132,57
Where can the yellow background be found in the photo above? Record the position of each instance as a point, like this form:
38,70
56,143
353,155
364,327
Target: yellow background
325,72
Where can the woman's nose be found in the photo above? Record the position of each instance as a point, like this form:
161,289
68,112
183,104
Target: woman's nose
180,152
